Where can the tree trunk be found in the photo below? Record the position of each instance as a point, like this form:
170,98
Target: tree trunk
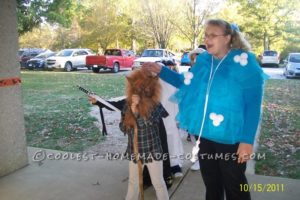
133,45
194,44
266,42
117,43
162,44
194,25
12,131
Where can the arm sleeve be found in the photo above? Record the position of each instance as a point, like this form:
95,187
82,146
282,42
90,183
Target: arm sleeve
171,77
158,113
252,112
252,83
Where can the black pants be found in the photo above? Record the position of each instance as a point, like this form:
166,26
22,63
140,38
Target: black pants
220,172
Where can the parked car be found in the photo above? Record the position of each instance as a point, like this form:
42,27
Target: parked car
26,54
185,60
113,59
292,65
69,59
153,55
270,58
39,61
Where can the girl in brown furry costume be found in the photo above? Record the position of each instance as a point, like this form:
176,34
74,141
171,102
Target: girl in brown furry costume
140,120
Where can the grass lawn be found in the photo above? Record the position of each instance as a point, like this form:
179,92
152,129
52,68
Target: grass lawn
57,113
280,131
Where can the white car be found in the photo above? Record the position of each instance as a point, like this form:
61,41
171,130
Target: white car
69,59
270,58
153,55
292,66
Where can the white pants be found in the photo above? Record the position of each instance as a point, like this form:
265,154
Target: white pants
156,174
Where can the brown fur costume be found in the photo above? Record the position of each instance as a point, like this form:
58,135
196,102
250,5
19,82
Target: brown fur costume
142,83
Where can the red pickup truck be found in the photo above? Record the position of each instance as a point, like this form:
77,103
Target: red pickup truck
114,59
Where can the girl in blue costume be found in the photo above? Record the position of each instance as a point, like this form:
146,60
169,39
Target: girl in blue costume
220,101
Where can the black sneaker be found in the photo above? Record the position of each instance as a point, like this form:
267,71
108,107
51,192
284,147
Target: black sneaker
188,138
169,182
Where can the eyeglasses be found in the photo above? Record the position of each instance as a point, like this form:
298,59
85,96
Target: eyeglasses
211,36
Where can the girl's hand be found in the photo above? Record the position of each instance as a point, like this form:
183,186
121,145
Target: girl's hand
152,67
193,58
92,99
244,151
135,101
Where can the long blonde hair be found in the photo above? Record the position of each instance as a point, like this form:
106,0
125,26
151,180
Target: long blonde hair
237,41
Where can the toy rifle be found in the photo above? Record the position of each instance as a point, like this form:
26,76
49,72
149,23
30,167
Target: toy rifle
102,103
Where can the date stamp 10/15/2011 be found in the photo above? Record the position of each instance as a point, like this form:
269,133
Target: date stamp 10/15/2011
262,187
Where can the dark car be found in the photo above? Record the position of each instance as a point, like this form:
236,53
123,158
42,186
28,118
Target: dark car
27,54
39,61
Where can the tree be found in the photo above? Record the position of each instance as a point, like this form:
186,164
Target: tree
134,32
158,20
68,37
264,21
190,21
31,13
39,37
103,24
291,42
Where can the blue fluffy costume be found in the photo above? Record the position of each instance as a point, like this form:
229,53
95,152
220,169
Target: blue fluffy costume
234,99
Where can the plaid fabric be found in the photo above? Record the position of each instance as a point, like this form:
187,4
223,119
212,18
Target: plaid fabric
149,144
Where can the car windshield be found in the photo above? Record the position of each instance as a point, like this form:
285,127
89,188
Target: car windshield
65,53
41,56
45,55
295,58
112,52
152,53
20,52
270,53
90,51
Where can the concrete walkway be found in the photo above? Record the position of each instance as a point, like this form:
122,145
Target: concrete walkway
97,178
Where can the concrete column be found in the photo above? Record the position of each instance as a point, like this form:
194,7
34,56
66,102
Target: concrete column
13,151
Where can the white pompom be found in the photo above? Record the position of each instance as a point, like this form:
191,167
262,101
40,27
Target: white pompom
220,118
188,75
187,81
212,116
244,55
244,62
237,58
216,123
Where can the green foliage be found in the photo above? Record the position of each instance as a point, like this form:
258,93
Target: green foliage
291,39
39,37
31,13
266,23
176,24
103,24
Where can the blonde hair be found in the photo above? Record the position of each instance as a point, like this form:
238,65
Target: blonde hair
237,41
